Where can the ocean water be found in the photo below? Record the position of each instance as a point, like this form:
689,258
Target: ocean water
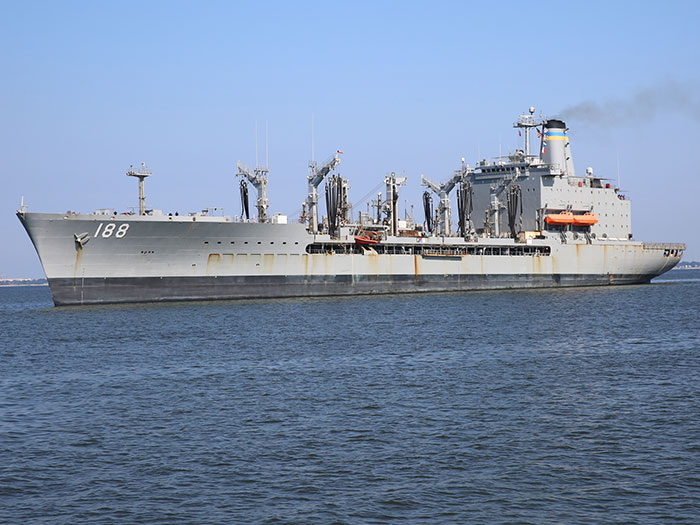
550,406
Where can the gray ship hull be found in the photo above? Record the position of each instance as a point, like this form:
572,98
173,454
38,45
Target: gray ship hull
156,289
196,258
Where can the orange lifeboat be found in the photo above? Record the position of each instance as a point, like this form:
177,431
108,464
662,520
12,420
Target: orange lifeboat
367,238
560,219
361,239
587,219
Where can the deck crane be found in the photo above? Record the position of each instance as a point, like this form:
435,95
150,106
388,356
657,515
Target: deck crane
492,213
443,191
258,178
391,203
315,177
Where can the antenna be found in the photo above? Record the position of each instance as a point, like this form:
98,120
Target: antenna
617,152
267,158
256,143
312,137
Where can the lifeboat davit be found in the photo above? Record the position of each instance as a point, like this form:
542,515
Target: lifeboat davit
560,218
587,219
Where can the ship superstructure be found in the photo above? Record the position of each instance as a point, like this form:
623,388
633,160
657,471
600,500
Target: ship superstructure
524,220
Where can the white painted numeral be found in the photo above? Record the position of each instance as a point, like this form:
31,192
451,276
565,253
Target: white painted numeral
98,229
109,229
121,232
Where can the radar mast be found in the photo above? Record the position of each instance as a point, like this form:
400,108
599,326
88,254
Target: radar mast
141,174
528,122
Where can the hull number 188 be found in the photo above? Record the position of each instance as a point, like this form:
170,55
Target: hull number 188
110,229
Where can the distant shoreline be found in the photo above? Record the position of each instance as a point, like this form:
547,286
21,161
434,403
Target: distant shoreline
20,284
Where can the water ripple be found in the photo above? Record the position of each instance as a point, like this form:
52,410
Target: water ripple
572,406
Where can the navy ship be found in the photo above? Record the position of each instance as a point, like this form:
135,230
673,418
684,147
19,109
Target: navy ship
521,221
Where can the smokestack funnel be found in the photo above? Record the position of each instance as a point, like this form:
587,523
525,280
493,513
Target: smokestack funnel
556,149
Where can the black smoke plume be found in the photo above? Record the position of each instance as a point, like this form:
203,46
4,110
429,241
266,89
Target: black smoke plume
665,97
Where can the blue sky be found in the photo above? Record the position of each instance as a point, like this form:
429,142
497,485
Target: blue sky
91,87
